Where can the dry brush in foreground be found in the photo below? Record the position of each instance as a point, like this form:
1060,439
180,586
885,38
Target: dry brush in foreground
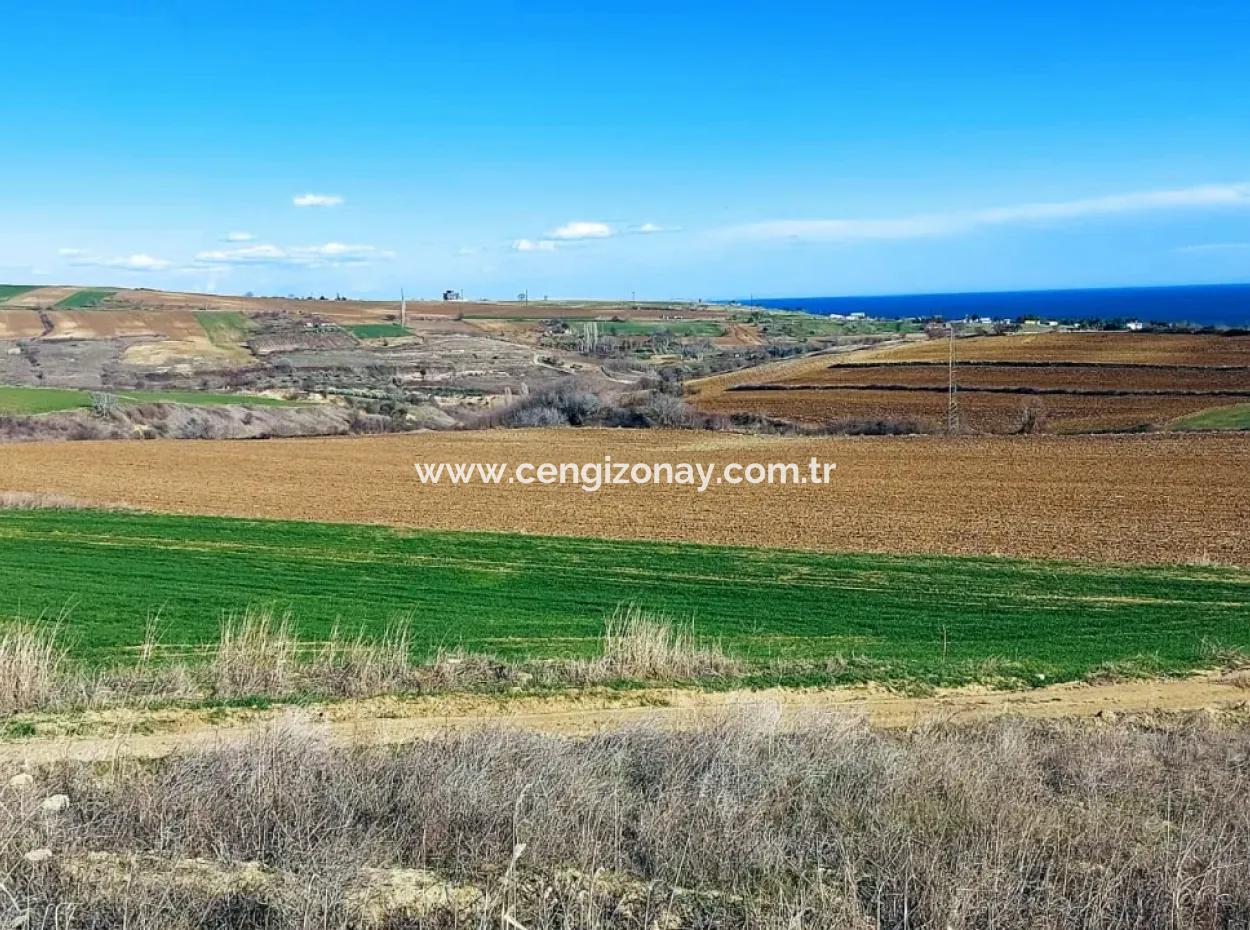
1009,825
258,655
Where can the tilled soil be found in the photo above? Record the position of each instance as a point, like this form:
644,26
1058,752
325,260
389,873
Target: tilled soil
1147,499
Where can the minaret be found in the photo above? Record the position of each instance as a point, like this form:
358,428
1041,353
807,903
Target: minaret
403,309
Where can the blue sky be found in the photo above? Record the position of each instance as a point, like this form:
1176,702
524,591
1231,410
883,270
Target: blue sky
669,149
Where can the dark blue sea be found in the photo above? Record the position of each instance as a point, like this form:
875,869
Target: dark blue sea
1200,305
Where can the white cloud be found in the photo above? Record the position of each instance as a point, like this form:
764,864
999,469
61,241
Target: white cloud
534,245
140,261
582,229
944,224
317,200
648,228
331,253
239,237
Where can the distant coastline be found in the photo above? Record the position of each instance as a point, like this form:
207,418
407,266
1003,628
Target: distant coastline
1202,305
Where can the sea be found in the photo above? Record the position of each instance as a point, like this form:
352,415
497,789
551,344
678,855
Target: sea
1199,305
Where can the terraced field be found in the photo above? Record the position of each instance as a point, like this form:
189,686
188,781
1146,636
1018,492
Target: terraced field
1172,498
379,331
23,400
1060,382
9,291
20,324
936,619
1118,348
85,299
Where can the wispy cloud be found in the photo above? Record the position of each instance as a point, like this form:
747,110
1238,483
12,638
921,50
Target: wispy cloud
317,200
534,245
140,261
582,229
944,224
331,253
1216,248
238,237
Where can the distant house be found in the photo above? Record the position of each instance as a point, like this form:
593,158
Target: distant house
1135,326
858,316
451,295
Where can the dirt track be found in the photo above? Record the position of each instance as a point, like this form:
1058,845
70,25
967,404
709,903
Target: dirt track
146,735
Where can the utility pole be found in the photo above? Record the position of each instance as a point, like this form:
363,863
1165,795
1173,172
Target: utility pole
952,402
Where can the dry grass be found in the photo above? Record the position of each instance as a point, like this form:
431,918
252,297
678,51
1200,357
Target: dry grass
39,500
1010,824
258,655
644,646
32,668
359,666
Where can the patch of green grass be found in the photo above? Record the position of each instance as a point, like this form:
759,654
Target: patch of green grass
85,299
1234,417
796,325
19,729
706,328
224,329
378,330
203,398
22,400
9,291
33,400
930,620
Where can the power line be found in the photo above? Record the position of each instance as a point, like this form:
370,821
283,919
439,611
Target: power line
952,402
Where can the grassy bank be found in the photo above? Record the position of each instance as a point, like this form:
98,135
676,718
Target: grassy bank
85,299
31,400
932,619
1233,417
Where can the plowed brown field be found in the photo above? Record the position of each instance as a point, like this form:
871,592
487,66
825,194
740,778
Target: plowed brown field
113,324
20,324
1182,373
979,413
1150,498
1058,377
1092,348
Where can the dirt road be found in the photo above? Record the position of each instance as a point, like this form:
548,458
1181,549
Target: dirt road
101,736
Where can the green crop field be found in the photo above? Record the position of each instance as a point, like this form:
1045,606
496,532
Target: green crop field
378,330
9,291
935,619
807,325
203,398
30,400
1235,417
224,328
41,400
85,299
706,328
